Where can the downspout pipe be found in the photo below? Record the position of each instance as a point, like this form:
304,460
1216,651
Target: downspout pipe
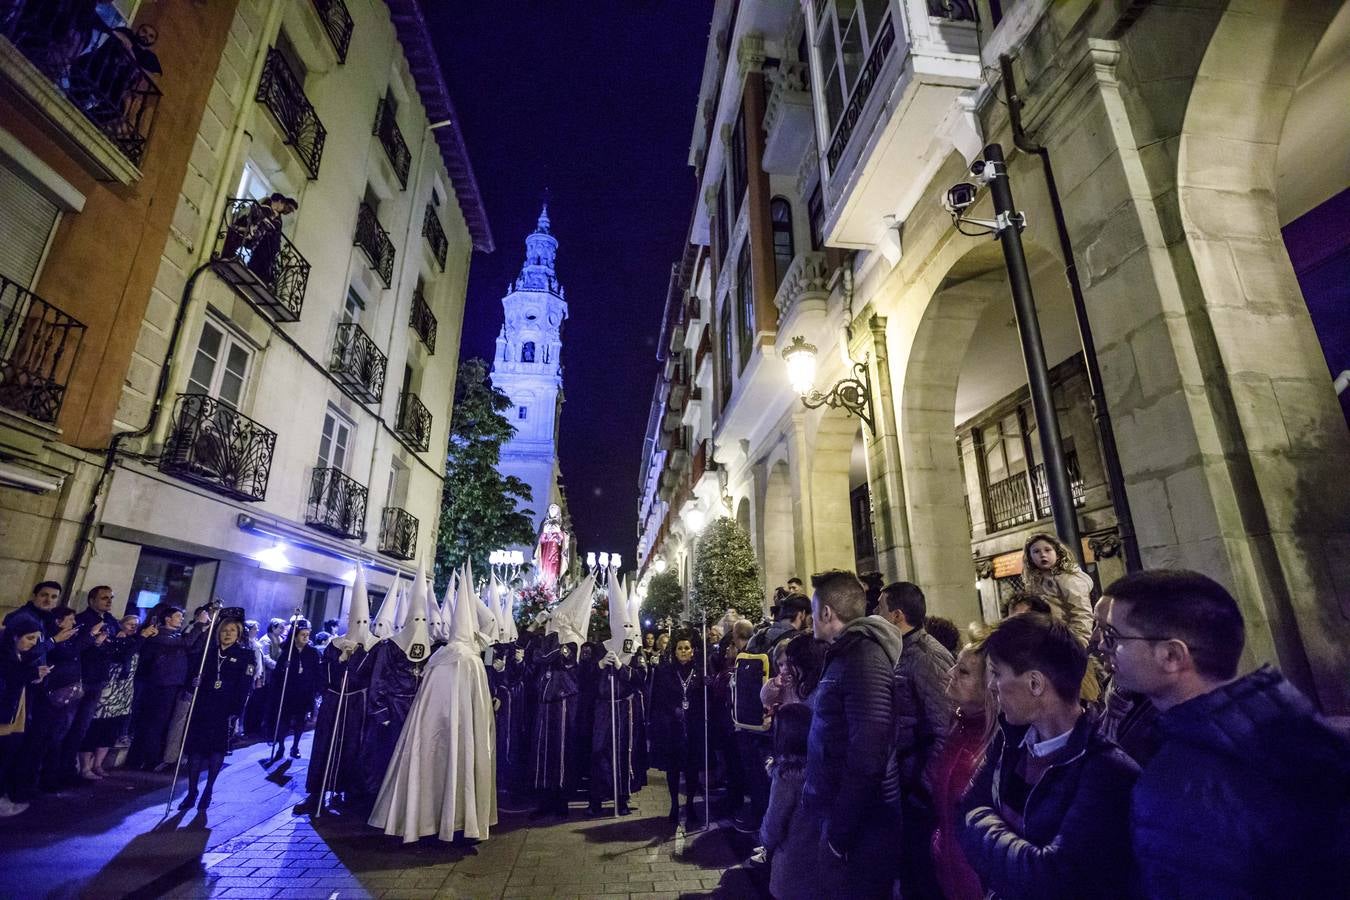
1101,415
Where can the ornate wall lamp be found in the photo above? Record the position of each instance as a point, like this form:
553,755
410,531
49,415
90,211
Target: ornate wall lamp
853,395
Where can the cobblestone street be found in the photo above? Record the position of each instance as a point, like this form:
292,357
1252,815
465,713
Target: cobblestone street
111,840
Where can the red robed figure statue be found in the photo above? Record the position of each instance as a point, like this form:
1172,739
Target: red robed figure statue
551,549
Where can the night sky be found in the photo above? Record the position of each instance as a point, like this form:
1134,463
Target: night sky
594,102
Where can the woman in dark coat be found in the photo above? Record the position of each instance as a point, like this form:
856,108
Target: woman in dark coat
164,667
678,725
19,673
296,683
226,676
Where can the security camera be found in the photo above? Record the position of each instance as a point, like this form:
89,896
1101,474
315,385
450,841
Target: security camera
960,197
983,171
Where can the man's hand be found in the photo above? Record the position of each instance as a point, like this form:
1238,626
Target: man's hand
150,630
203,617
99,638
65,634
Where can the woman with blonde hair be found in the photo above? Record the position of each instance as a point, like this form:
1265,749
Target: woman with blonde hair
1050,569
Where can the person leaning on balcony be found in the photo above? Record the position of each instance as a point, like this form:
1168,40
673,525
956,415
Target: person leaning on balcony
254,236
1049,569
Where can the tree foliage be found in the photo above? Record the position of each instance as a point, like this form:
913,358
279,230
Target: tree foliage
725,571
479,511
665,598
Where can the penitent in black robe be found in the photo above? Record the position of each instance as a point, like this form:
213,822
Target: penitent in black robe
627,683
345,767
393,686
508,691
555,727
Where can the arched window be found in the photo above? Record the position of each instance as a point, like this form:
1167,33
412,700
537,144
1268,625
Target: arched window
527,352
780,214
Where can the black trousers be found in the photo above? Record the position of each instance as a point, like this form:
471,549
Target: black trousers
754,752
150,723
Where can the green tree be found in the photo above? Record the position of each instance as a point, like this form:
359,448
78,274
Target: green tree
665,598
479,505
725,572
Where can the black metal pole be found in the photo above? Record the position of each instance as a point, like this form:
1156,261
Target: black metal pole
1033,352
1101,415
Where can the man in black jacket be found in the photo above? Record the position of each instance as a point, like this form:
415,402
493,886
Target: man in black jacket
852,785
96,619
1248,794
1047,813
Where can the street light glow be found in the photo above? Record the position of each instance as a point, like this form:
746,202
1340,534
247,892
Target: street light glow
800,358
659,565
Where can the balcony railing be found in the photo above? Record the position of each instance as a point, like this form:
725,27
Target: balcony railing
357,363
1012,501
255,258
414,422
337,504
212,444
391,139
38,344
435,235
374,240
423,320
338,23
808,276
283,95
867,79
104,73
398,533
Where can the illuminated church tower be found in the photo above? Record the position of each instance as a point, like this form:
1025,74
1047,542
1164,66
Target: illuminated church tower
527,369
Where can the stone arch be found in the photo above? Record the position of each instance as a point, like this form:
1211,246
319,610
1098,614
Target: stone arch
780,556
743,514
1286,444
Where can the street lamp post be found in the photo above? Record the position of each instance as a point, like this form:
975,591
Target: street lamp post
852,394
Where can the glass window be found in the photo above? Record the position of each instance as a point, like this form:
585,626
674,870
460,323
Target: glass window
351,309
720,227
815,214
726,350
780,215
220,365
527,352
745,297
846,31
523,413
738,164
397,492
253,184
334,442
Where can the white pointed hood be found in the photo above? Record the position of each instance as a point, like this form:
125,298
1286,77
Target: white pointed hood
358,614
415,636
635,612
463,620
401,611
384,622
447,605
487,623
572,615
435,623
507,614
621,642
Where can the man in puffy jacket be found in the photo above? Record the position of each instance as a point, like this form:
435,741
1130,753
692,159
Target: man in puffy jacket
852,786
1248,794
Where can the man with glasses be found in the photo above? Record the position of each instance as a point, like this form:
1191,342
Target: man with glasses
1248,794
1126,718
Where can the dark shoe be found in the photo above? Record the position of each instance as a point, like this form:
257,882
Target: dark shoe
544,809
746,825
205,802
189,801
594,810
625,809
295,753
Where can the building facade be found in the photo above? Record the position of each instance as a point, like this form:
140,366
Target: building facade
527,367
281,408
1210,248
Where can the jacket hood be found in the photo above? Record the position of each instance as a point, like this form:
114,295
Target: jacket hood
1262,723
877,629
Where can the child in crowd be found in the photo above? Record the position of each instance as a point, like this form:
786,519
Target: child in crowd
787,834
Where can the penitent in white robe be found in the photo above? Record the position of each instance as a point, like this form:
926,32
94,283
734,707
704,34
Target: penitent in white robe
443,776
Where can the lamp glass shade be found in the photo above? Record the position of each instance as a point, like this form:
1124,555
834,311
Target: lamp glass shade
604,560
695,520
800,359
659,565
615,560
590,560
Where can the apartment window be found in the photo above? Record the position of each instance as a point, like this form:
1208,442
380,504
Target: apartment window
745,297
351,308
527,352
371,199
523,413
396,494
220,366
27,220
845,32
738,164
726,351
720,227
335,442
815,216
780,216
291,57
253,183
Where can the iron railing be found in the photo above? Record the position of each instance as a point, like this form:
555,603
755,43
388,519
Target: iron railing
213,444
1025,497
104,73
357,363
867,80
398,533
38,344
284,96
423,320
337,21
435,235
414,422
337,504
391,139
375,241
255,258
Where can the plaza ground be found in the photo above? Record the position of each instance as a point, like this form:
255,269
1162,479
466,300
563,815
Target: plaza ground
113,839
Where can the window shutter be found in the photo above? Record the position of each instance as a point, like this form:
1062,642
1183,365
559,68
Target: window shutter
27,218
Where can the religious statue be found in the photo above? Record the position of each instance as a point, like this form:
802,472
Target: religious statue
550,551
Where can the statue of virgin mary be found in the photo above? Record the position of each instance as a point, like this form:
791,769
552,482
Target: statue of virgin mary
550,551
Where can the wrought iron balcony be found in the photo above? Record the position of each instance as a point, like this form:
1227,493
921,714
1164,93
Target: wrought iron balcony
104,73
435,235
212,444
374,240
338,23
1025,497
391,139
423,320
357,363
255,258
283,95
414,422
337,504
38,344
398,533
866,80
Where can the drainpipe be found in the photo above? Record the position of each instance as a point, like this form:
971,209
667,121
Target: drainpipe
1101,415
